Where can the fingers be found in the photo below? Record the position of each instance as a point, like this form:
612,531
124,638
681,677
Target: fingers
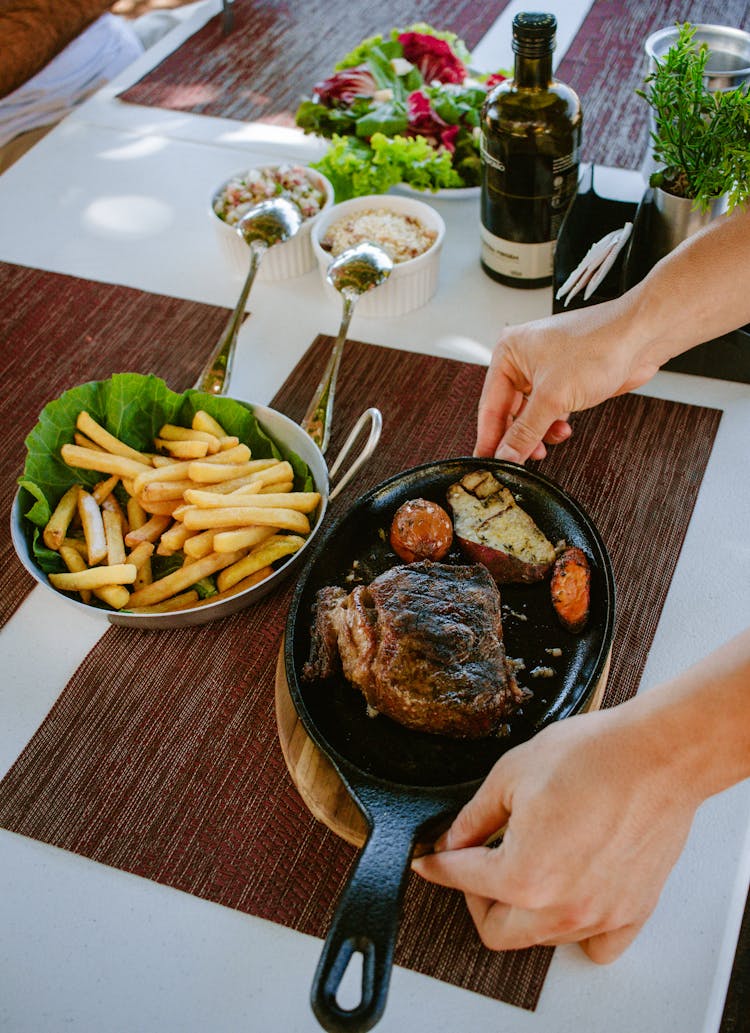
514,426
473,871
604,948
559,431
483,816
499,400
531,426
503,926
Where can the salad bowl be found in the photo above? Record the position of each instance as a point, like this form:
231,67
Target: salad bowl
400,108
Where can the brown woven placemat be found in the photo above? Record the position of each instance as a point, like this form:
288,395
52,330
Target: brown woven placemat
606,63
160,757
58,331
233,76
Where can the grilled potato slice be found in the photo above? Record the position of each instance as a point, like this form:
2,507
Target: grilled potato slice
491,528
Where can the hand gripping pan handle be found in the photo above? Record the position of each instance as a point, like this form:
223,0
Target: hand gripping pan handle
369,909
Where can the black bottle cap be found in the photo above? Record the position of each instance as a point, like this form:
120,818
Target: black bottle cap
534,33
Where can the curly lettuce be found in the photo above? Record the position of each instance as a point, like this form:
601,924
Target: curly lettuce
357,167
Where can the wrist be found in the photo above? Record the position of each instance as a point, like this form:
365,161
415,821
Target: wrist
650,331
695,729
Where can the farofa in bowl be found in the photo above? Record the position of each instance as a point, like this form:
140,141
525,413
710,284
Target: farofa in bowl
400,234
410,230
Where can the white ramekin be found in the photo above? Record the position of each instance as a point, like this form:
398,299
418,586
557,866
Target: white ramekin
281,262
411,283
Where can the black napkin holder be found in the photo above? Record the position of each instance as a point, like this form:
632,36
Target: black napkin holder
589,218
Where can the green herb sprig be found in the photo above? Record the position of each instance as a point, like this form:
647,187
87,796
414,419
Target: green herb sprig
701,139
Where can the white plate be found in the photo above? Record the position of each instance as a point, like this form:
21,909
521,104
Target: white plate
447,194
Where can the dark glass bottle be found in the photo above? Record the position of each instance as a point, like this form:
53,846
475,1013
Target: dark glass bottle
531,138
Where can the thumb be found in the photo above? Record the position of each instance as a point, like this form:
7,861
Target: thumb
527,430
480,819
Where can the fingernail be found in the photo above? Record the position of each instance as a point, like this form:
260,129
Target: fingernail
508,454
442,842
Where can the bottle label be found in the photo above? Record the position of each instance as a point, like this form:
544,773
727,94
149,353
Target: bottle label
490,159
514,259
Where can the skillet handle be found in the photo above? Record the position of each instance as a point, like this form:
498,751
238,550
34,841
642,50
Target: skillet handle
367,921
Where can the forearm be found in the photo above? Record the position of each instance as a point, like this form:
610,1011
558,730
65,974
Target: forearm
698,725
698,292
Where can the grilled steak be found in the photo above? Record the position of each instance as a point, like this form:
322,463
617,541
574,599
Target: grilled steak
424,644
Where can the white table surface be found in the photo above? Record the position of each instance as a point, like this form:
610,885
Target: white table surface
84,947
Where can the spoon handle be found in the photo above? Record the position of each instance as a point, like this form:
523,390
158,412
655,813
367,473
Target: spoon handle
216,372
318,418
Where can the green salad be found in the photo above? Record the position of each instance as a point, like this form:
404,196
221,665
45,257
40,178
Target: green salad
132,407
402,108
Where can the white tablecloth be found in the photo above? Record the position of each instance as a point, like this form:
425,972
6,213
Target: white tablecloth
124,192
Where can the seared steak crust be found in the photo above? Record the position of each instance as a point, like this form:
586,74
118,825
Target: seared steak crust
424,644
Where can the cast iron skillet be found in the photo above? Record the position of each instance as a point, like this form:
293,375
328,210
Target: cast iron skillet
408,783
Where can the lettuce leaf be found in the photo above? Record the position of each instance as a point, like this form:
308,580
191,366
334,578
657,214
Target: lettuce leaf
389,118
379,63
457,105
133,407
317,118
356,168
349,166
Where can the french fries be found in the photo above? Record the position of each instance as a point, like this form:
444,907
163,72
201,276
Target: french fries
302,501
262,555
58,523
115,596
93,527
200,501
181,579
102,462
95,577
242,538
107,441
113,536
238,516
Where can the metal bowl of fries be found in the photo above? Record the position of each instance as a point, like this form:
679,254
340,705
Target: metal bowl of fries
215,512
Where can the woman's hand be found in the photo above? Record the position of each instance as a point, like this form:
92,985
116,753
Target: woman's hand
594,826
544,370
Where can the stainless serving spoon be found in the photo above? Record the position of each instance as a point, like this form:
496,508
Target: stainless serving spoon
265,224
354,272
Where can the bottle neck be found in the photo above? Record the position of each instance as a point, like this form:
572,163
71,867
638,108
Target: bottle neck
532,72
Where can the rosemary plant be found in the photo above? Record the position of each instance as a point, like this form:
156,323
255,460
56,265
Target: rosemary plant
702,138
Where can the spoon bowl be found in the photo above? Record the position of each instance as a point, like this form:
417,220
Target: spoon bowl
353,273
261,227
359,269
269,222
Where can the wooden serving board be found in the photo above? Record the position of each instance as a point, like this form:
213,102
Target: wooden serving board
315,777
